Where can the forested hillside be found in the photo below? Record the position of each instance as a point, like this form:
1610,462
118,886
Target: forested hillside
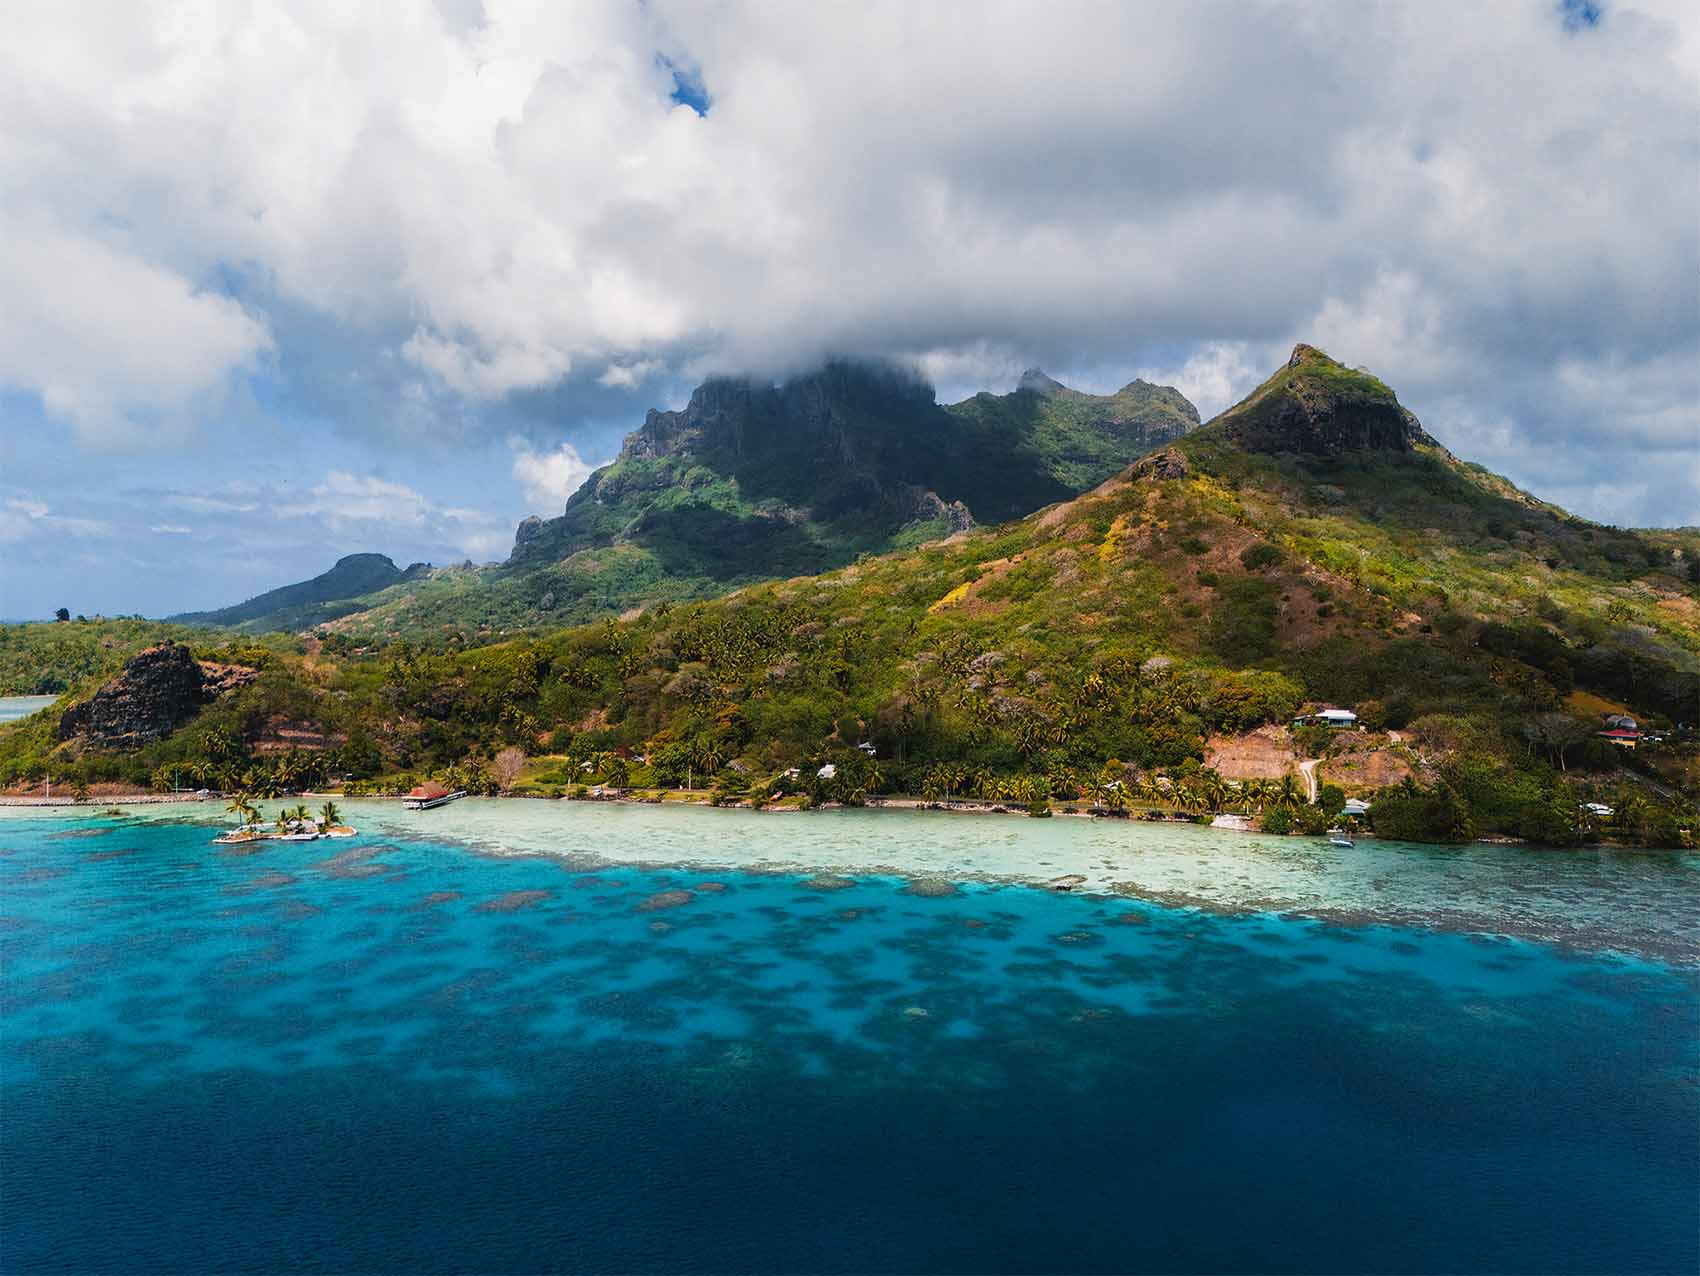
1312,546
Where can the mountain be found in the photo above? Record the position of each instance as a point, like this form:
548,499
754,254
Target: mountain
1311,546
755,481
309,602
760,480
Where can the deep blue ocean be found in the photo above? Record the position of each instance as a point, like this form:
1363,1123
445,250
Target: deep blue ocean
406,1056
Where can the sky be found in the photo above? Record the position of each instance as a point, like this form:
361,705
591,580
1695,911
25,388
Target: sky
285,281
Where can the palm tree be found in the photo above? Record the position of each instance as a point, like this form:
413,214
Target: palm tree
1185,796
1213,790
238,806
1289,793
710,753
330,815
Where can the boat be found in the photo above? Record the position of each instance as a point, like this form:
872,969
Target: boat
1337,837
429,795
300,835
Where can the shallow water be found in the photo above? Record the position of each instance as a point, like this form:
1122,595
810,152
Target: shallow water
14,707
396,1053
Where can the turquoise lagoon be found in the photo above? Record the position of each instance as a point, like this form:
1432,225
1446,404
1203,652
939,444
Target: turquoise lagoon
552,1036
14,707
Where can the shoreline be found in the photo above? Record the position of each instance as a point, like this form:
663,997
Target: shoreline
699,799
1490,890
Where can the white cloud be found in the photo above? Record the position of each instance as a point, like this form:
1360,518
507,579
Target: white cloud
548,478
22,518
629,376
1219,375
471,202
170,529
373,510
111,343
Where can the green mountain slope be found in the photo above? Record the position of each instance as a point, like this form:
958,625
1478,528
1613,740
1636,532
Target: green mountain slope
1310,546
755,481
325,597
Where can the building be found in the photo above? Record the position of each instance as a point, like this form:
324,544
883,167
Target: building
1327,718
1355,806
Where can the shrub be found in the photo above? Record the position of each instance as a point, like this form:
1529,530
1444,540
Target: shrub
1256,557
1242,623
1410,814
1331,798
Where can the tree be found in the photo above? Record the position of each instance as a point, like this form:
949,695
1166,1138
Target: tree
1556,732
507,765
329,815
62,615
1213,790
1288,793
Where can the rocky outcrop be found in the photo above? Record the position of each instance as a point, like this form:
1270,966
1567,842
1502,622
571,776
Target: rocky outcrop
928,506
1167,464
754,477
1316,407
160,689
527,531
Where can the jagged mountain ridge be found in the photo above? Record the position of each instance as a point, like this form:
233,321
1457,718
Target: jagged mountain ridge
758,480
813,469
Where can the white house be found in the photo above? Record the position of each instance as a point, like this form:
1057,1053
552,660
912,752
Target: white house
1355,806
826,772
1337,717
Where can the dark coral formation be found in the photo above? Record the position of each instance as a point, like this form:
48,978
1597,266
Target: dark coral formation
665,899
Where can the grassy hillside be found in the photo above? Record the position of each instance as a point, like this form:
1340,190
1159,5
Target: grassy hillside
1213,588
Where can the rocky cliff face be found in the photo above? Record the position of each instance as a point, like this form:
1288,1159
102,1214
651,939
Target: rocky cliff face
160,689
1317,407
842,459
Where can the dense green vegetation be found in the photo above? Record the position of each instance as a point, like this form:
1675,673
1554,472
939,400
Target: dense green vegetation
49,658
1089,652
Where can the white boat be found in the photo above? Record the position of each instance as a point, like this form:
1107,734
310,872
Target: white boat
417,801
1337,837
